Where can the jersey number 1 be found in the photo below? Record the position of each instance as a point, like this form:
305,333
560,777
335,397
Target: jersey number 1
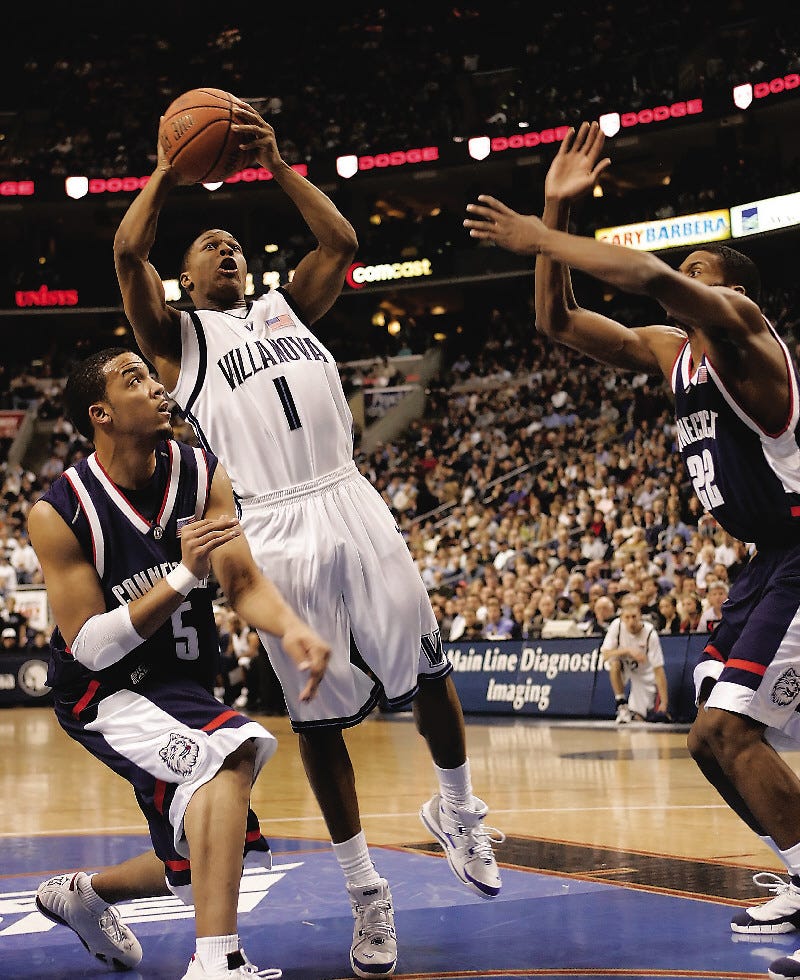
289,407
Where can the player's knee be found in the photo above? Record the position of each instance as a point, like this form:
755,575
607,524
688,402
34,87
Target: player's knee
242,759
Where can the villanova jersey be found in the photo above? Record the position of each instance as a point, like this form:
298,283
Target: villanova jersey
748,479
131,552
261,391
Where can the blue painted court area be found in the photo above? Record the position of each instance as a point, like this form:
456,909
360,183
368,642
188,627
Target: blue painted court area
297,916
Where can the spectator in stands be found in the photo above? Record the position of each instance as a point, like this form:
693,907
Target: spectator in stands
706,560
8,576
472,628
496,625
547,611
632,650
716,595
601,615
24,561
690,609
13,618
648,596
669,620
9,641
38,642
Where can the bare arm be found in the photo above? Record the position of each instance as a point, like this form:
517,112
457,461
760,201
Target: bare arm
257,600
73,586
319,276
570,177
156,325
713,309
661,686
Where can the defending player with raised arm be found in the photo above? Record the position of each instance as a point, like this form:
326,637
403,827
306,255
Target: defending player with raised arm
127,540
737,404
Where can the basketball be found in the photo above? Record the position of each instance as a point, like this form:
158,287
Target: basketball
195,132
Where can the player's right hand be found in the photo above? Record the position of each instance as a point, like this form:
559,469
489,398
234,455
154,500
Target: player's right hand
577,165
309,652
200,538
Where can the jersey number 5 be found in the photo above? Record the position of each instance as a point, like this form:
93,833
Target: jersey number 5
701,470
187,646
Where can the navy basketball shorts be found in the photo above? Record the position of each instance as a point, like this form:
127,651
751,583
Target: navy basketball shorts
168,739
755,650
335,552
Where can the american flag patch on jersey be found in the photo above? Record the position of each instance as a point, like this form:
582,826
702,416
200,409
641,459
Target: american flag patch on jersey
702,375
277,322
181,523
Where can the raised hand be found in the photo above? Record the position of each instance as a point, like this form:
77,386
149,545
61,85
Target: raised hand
493,221
577,165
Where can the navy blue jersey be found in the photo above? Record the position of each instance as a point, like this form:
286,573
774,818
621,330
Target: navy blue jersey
131,552
748,479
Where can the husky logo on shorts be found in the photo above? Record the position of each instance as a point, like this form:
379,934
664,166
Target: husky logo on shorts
180,754
786,688
431,646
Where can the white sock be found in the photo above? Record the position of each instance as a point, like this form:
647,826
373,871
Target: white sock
791,858
212,951
770,843
354,860
455,785
89,896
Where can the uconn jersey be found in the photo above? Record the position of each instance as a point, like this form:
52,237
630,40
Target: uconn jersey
748,479
260,388
131,552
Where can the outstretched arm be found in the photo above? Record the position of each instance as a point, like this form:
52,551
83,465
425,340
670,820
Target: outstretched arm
319,276
571,176
572,173
717,310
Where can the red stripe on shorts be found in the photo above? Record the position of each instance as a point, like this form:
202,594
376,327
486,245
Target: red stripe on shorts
177,865
749,666
87,697
713,652
219,720
158,795
252,835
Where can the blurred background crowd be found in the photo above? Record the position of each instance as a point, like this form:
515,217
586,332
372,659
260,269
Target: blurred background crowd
536,488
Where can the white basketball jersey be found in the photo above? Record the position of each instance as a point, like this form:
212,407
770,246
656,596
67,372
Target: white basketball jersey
264,395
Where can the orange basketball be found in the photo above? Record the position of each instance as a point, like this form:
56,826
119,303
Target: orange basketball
195,132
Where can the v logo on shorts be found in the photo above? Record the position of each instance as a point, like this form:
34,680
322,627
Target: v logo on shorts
431,648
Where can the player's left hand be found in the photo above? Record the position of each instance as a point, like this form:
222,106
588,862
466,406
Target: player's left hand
257,136
493,221
310,652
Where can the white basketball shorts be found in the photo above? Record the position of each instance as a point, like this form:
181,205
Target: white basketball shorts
334,551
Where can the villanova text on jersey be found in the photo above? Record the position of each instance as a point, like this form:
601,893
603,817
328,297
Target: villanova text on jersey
241,363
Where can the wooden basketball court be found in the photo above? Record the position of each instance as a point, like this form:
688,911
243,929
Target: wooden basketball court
601,822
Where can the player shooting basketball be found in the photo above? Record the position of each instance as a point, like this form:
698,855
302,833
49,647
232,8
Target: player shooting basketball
261,389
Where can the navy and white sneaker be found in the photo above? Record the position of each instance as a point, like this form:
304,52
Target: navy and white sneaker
467,842
103,934
786,968
779,914
374,949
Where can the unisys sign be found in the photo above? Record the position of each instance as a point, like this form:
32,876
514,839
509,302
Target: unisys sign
44,296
